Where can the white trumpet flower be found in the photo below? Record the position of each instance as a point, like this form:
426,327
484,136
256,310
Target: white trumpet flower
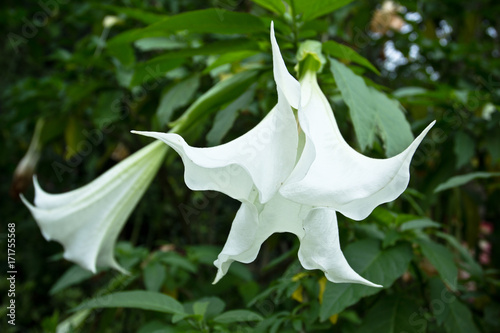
286,186
87,221
338,177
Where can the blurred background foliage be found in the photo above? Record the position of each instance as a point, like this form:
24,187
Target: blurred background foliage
78,76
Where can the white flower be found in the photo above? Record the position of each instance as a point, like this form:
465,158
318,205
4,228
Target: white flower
286,186
332,174
87,221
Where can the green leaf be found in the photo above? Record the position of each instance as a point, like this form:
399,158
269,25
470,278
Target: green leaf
464,179
391,237
442,259
154,276
215,306
146,72
223,92
235,316
276,6
177,96
310,9
136,299
391,123
419,224
213,20
390,315
464,148
340,51
409,92
200,308
158,43
156,326
176,260
137,14
158,66
75,274
123,52
225,118
456,317
108,108
372,111
230,57
72,322
370,261
471,264
204,254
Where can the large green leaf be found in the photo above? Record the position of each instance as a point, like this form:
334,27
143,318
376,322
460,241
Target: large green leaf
372,111
442,259
158,66
136,299
464,179
222,93
391,123
449,311
340,51
382,266
310,9
390,315
213,20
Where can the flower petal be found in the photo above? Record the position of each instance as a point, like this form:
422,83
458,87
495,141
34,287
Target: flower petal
251,228
339,177
320,248
263,157
284,80
87,221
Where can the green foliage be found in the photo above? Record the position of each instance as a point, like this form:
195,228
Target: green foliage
207,66
382,266
372,112
137,299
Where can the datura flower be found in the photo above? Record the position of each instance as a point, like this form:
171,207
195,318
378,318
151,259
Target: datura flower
286,185
87,221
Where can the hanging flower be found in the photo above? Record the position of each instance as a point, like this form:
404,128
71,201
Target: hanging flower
286,186
87,221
